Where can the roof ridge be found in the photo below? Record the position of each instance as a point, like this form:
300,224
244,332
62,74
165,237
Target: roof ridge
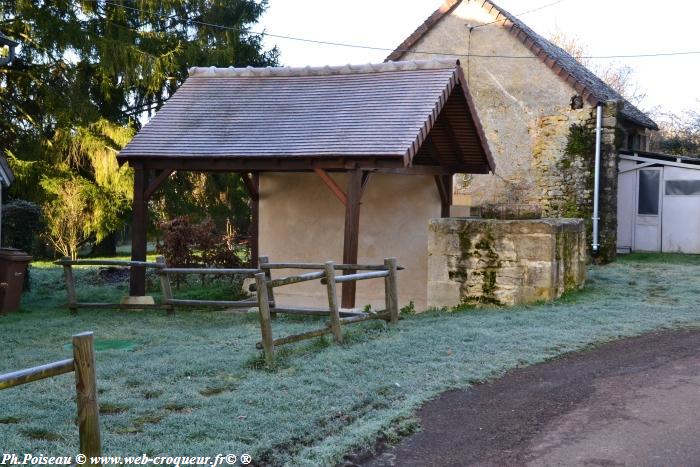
349,69
578,76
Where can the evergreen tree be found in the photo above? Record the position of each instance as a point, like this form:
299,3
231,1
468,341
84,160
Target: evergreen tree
89,72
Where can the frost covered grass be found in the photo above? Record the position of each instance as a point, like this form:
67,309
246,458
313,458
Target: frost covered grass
193,383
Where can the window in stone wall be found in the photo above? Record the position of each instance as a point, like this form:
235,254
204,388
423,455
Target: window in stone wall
649,192
636,142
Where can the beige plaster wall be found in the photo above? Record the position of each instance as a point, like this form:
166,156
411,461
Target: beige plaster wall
301,220
523,106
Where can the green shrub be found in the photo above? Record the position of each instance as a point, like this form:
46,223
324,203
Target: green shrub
21,224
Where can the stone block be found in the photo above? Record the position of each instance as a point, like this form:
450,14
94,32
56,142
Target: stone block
443,294
534,247
504,262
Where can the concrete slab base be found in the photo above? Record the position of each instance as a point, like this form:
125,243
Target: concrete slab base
132,300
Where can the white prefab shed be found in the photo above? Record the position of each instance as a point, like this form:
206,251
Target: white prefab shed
658,203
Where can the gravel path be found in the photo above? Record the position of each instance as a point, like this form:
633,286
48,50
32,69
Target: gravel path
632,402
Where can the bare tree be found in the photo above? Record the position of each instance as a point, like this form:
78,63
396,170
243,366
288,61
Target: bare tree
679,133
617,75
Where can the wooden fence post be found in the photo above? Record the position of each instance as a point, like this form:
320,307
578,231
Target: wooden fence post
333,303
265,325
391,290
268,277
165,286
70,286
86,389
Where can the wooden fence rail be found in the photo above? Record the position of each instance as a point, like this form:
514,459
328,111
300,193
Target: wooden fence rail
164,273
83,364
169,301
264,285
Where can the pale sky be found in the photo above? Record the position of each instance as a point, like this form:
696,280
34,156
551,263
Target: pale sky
606,27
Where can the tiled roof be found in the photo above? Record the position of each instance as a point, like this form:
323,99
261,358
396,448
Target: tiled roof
384,110
583,80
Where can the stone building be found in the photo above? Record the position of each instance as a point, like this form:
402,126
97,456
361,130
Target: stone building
537,105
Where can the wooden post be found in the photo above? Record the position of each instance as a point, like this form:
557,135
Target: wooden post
444,185
252,184
86,388
255,222
333,303
449,188
268,277
352,232
265,325
70,287
165,286
137,278
391,290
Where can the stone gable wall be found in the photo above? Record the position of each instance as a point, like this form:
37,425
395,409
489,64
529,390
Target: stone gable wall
543,149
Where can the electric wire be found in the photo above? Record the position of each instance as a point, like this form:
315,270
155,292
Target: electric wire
420,52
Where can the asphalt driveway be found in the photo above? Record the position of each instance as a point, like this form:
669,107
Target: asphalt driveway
632,402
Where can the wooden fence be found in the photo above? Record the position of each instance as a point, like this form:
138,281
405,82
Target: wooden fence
265,286
168,300
265,301
73,303
83,364
164,272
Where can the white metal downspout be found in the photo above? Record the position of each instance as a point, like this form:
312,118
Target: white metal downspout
596,177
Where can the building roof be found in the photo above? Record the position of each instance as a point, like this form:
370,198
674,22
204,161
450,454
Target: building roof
6,174
583,80
386,111
664,159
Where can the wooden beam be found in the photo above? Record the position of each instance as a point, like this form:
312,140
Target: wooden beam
258,164
365,180
157,181
444,199
137,277
447,202
332,185
352,232
252,183
414,170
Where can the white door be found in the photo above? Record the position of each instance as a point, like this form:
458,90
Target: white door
626,206
681,213
647,228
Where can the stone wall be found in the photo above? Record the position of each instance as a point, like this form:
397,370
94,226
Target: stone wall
543,148
563,160
500,262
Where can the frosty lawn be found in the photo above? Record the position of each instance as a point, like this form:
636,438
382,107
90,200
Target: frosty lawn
193,384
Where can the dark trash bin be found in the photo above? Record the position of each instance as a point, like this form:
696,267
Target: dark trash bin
13,268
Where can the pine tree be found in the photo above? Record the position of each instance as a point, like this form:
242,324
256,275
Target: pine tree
88,73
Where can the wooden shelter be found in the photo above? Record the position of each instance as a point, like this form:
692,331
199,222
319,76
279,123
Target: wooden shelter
410,118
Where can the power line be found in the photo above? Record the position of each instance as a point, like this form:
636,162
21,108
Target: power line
521,14
420,52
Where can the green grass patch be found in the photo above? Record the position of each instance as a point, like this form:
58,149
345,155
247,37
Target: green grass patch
109,408
40,434
662,258
193,382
